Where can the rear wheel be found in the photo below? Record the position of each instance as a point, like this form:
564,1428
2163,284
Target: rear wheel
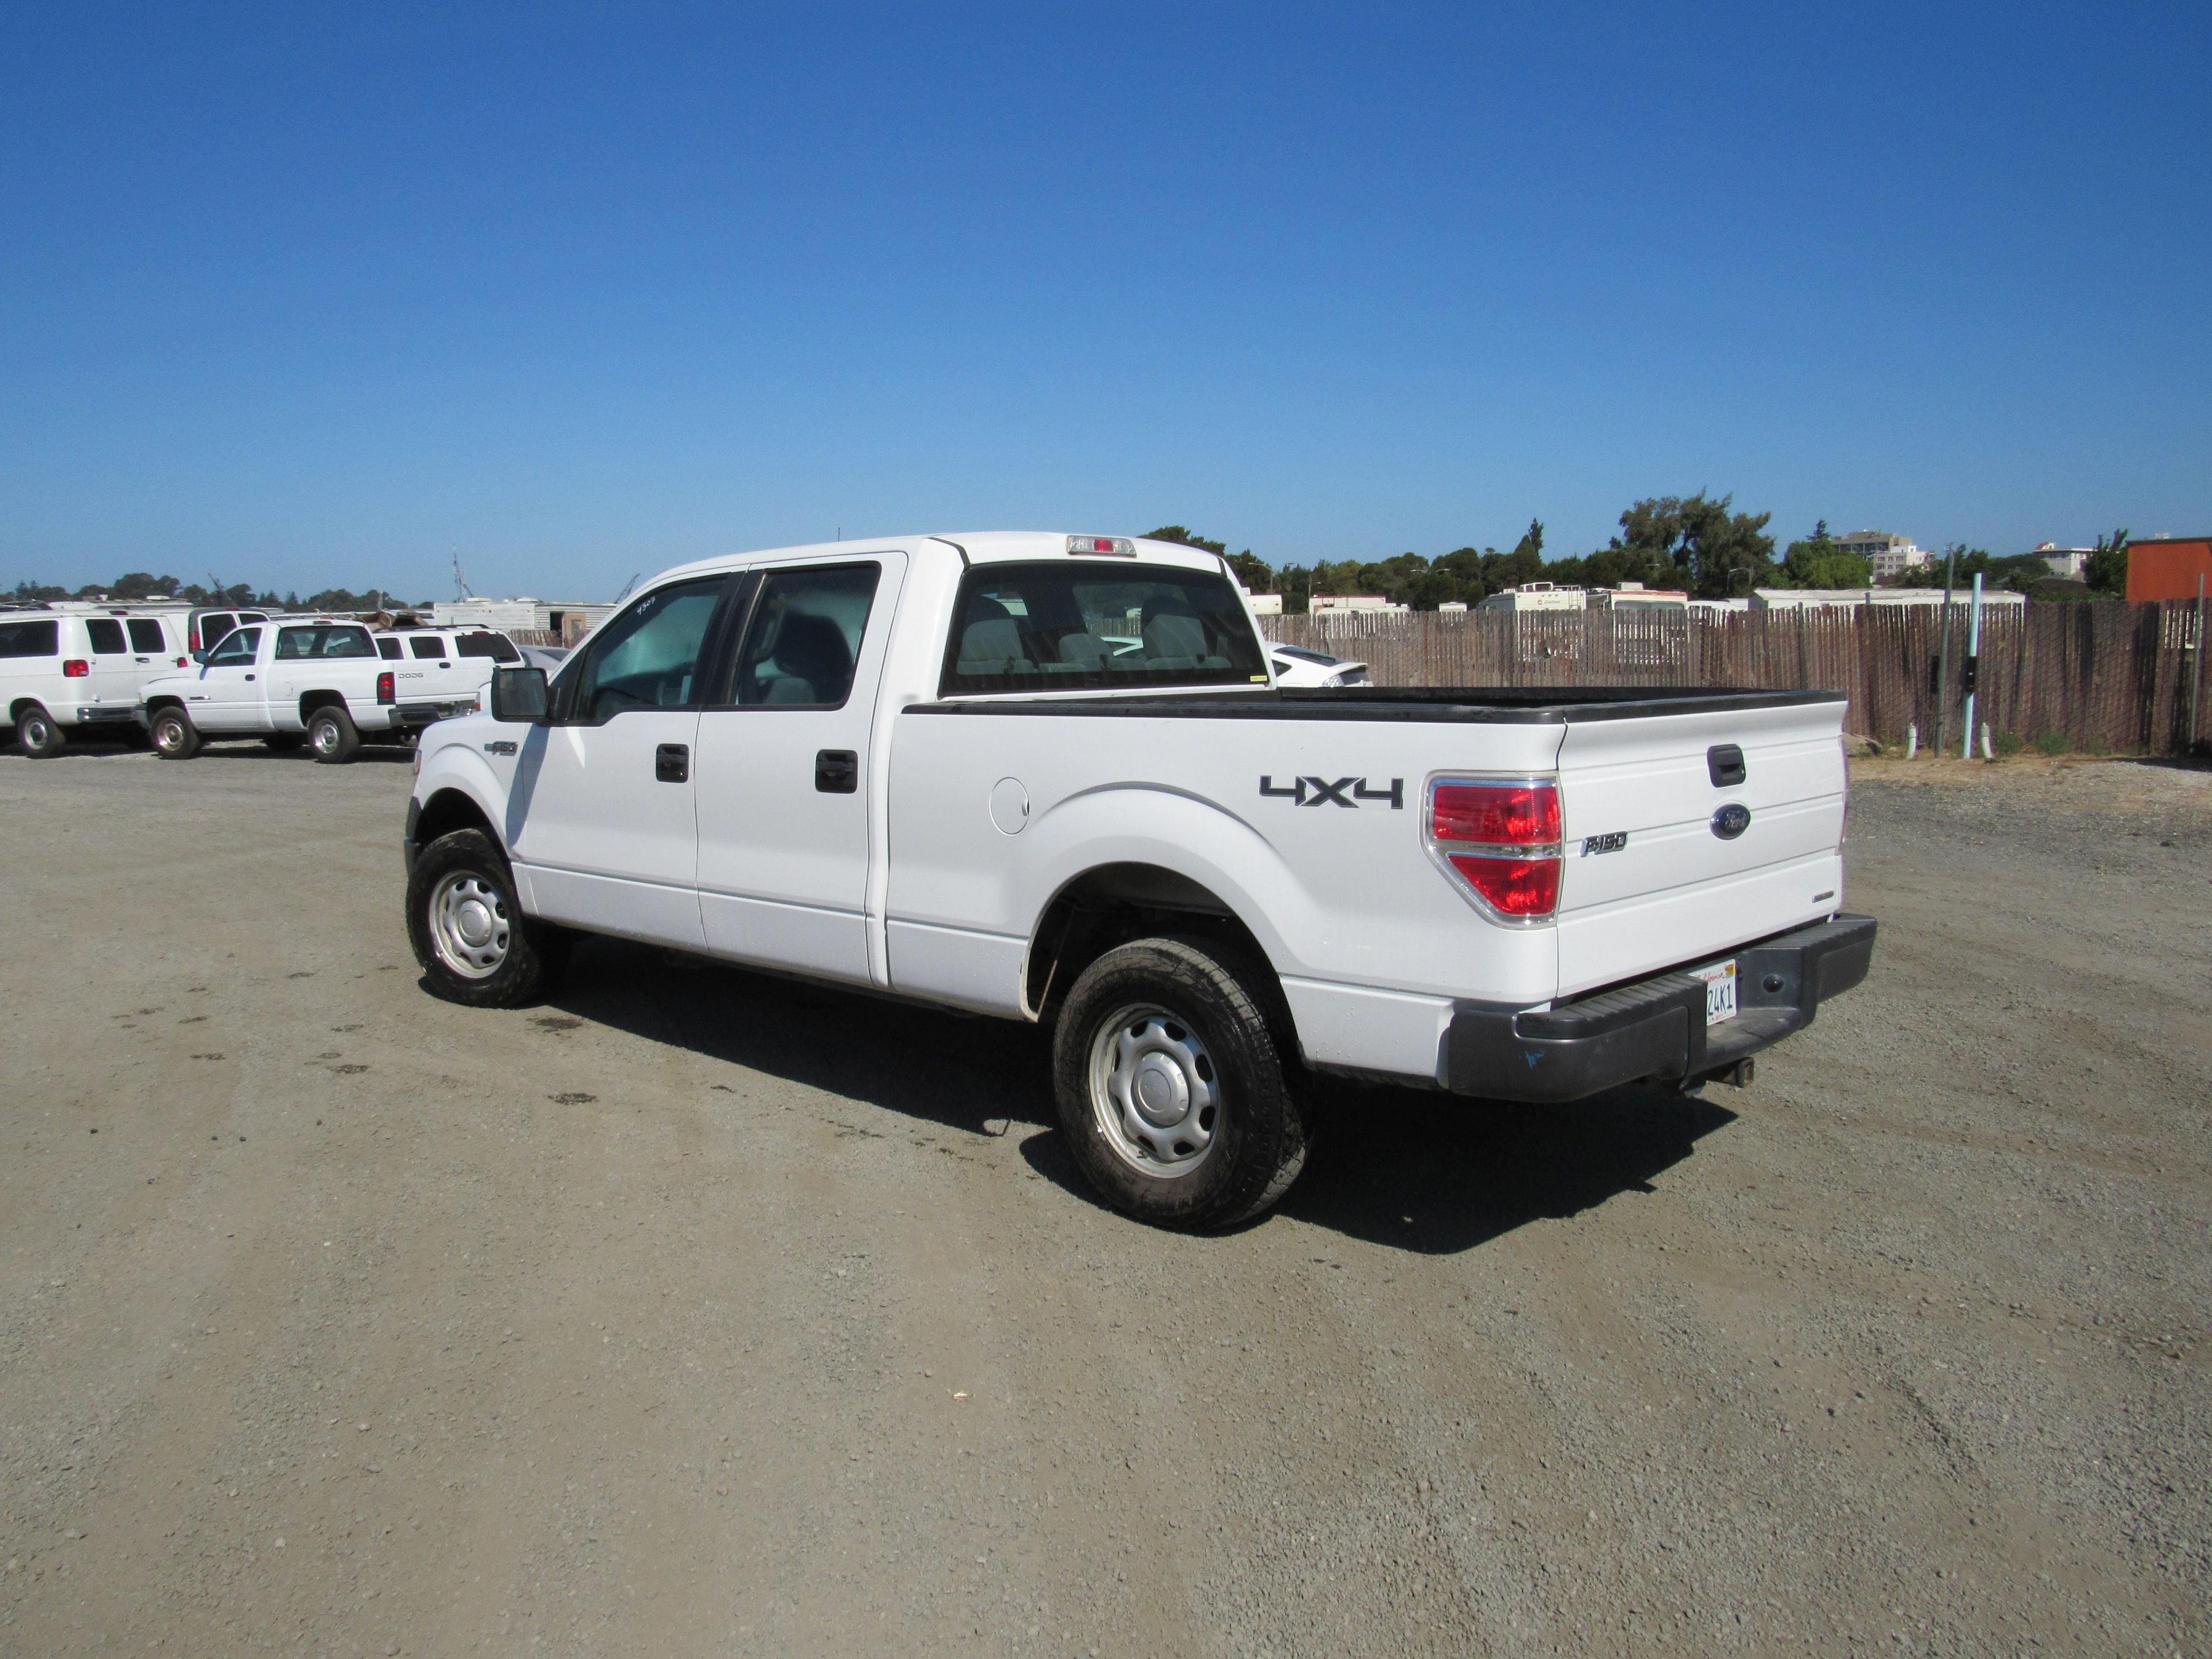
38,734
470,934
175,736
1174,1087
331,735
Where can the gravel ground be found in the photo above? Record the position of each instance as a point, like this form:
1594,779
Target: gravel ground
695,1313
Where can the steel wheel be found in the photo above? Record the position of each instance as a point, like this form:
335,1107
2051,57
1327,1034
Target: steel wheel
1154,1091
327,739
469,925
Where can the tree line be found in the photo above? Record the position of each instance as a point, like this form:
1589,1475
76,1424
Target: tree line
136,585
1692,543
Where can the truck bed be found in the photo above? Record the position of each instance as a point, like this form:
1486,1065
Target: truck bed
1547,705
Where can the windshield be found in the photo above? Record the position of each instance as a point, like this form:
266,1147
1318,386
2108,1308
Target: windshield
1078,627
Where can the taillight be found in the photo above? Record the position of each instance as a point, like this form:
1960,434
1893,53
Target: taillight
76,668
181,661
1500,838
194,643
386,684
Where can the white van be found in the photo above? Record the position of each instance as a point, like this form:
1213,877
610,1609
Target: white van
85,669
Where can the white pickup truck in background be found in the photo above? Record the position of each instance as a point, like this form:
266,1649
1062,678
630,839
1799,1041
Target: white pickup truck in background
328,682
938,767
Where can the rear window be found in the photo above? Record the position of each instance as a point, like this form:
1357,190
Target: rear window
324,641
146,635
30,639
1083,626
497,646
106,634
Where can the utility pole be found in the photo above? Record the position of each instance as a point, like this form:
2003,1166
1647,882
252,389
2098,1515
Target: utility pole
1943,654
1973,674
2197,662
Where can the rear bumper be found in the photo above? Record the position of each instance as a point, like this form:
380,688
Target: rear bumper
414,716
107,713
1655,1029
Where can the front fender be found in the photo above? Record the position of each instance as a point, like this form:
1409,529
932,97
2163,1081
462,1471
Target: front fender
459,766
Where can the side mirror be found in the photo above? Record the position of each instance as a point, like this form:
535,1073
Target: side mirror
518,696
200,657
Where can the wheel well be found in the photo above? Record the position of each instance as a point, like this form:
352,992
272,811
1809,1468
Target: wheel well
155,705
15,708
311,701
1108,906
450,809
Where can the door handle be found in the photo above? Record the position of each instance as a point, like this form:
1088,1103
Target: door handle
249,676
671,763
836,771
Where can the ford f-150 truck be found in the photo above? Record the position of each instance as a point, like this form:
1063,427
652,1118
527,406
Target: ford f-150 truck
326,681
1050,778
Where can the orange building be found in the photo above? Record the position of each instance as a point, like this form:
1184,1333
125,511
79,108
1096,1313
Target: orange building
2168,568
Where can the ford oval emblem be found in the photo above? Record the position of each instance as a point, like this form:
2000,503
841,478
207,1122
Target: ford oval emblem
1731,820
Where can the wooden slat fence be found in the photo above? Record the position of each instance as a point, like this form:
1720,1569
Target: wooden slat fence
2102,677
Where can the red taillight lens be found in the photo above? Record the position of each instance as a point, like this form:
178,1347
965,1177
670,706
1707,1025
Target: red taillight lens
1518,887
1496,814
76,668
183,661
384,688
194,643
1501,838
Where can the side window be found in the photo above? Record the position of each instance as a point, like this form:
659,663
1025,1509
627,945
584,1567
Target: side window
107,635
387,647
237,649
214,629
146,636
805,637
649,656
428,646
30,639
497,646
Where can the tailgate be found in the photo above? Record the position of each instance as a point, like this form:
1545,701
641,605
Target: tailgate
1649,881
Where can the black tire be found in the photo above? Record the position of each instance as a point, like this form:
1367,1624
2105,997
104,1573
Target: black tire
531,954
175,736
38,733
331,735
1207,1022
284,741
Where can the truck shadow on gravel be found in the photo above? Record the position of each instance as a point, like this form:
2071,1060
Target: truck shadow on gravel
1429,1173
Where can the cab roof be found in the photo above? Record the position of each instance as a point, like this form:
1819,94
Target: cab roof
976,546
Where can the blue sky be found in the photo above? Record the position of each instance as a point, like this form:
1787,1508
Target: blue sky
308,295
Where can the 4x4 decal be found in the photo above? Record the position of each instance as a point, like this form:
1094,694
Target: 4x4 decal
1313,792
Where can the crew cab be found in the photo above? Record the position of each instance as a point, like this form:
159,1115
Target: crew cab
328,681
1052,779
75,665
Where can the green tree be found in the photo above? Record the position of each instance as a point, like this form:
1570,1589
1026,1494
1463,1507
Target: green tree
1817,562
1705,547
31,592
2107,568
1176,532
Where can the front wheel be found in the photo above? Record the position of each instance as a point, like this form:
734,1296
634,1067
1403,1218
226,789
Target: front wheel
469,933
175,736
38,734
331,735
1174,1087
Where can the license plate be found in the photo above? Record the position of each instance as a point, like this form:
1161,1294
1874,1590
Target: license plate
1720,991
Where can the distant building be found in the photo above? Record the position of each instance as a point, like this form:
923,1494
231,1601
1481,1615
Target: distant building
2069,562
1537,596
1856,598
1341,605
1265,605
1635,597
568,620
2168,568
1889,556
1452,608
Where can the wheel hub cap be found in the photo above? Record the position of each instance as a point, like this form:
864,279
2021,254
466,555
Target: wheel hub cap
1154,1091
469,925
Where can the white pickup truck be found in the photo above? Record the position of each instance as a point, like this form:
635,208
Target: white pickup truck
322,679
1050,778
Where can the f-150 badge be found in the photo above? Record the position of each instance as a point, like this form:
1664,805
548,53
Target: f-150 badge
1339,792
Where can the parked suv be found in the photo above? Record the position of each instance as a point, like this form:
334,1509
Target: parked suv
83,669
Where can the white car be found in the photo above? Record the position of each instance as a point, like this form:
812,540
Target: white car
929,767
330,681
1296,666
64,669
